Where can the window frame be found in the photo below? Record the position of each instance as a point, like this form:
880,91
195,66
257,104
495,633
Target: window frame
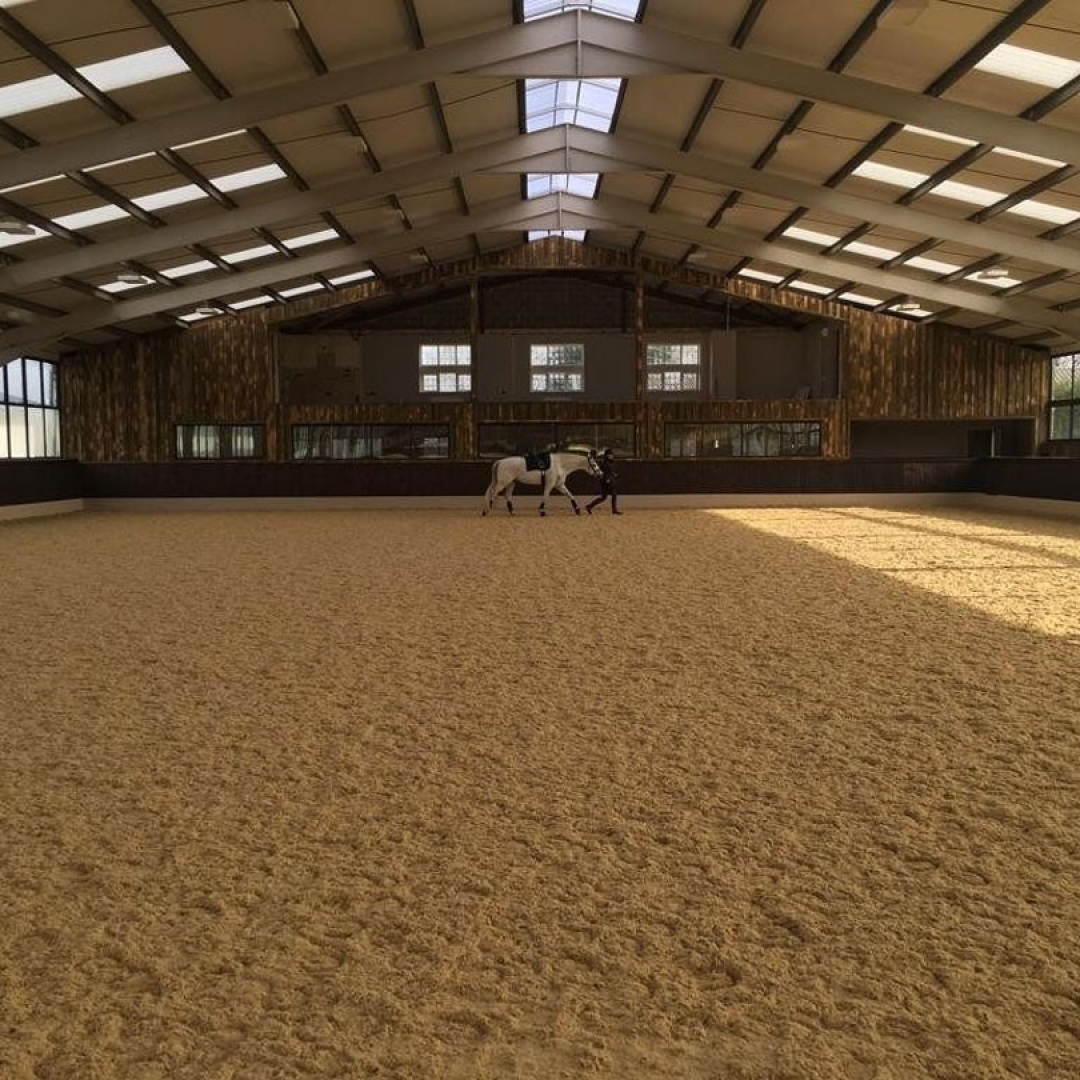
460,372
742,436
545,369
680,371
1071,403
35,416
370,437
224,435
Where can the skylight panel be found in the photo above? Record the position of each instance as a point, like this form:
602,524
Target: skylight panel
362,275
890,174
262,174
931,134
96,215
588,103
189,268
308,239
810,287
935,266
141,67
967,193
300,290
540,184
617,9
871,251
912,310
570,234
760,275
860,298
247,254
254,301
810,236
1027,65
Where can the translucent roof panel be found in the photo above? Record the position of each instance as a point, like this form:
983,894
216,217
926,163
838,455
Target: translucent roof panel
572,234
141,67
540,184
1027,65
588,103
618,9
967,193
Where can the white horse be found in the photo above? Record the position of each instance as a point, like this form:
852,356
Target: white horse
508,471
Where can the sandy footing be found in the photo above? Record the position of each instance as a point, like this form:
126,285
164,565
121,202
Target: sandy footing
707,795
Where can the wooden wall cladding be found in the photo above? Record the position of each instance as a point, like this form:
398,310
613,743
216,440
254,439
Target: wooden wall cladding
120,402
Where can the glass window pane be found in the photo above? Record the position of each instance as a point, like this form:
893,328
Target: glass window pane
35,433
1062,378
301,442
4,451
431,442
429,384
15,391
17,430
1060,421
32,376
682,440
391,441
48,372
52,433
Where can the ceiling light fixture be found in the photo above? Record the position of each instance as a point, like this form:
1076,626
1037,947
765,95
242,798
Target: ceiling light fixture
907,308
206,311
129,277
991,273
15,227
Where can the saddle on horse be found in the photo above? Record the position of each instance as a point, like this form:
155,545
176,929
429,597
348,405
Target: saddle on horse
540,462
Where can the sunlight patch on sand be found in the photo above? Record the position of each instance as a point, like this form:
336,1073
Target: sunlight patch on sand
1025,571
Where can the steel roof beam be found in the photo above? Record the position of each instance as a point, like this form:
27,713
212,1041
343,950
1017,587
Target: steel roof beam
613,212
542,151
543,213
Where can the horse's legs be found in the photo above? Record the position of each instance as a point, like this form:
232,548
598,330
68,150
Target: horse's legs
489,498
563,489
548,485
508,495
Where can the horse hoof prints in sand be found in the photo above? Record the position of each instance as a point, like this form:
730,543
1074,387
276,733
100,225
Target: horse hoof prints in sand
548,471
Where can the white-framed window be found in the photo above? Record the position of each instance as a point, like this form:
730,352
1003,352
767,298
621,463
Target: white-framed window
673,368
557,369
445,369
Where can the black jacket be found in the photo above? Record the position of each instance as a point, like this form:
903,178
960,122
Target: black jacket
608,475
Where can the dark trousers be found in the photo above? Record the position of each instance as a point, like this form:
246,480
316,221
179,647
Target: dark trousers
605,491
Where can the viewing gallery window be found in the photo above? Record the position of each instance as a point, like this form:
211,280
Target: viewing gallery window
771,438
504,440
29,409
1065,397
445,369
557,369
217,442
352,442
673,369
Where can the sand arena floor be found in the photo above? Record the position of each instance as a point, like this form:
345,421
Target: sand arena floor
740,795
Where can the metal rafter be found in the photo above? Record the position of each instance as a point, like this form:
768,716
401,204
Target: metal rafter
543,213
624,212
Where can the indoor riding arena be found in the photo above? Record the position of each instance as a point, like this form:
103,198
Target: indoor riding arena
346,732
